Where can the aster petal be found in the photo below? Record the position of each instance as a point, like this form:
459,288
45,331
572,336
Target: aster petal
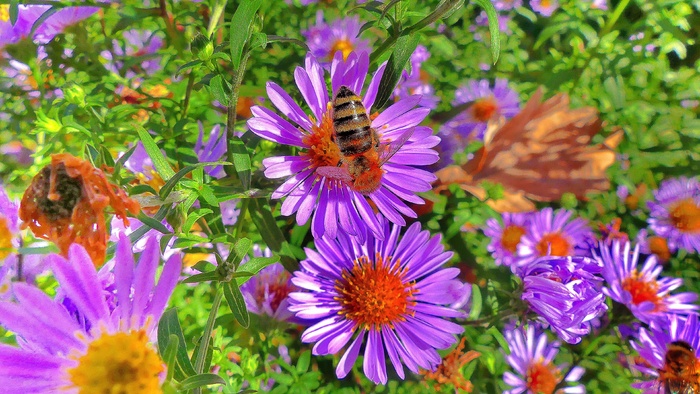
348,360
271,126
164,289
144,275
308,92
284,102
395,111
374,364
124,273
392,344
50,337
373,88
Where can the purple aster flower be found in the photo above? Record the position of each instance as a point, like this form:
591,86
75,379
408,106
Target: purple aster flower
532,358
675,215
483,21
57,353
416,82
505,5
392,293
675,342
211,150
49,28
338,200
266,292
230,211
544,7
565,292
658,246
17,152
324,40
553,234
488,104
640,289
600,4
449,144
137,44
506,235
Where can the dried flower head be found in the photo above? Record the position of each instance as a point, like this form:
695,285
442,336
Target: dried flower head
449,371
65,204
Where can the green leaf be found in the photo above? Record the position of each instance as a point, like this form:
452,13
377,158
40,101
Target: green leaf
240,28
476,303
187,66
304,362
203,277
159,161
234,299
241,161
220,89
258,40
40,21
170,325
253,266
152,223
240,250
14,11
204,379
405,45
262,218
169,355
274,38
493,27
170,184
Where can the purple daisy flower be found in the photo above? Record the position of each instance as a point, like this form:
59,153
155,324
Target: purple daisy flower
506,237
49,28
505,5
641,290
544,7
338,201
678,341
57,353
487,104
211,150
416,82
324,40
675,215
137,44
391,292
565,292
553,234
266,292
532,358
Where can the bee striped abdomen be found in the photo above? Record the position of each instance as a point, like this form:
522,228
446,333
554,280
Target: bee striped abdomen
352,125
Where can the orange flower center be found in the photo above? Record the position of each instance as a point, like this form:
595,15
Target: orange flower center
511,237
545,3
374,294
553,244
322,150
483,109
276,290
5,238
542,378
642,291
659,247
685,216
343,45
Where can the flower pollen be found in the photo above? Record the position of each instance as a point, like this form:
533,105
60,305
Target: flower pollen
343,45
5,238
375,294
4,13
322,150
484,109
118,363
642,291
553,244
542,378
685,216
511,237
448,372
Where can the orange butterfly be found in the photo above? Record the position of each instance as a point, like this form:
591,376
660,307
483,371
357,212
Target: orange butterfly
540,154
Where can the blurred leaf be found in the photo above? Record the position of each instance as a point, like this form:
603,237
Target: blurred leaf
170,325
403,50
187,66
170,184
267,226
304,362
240,29
493,27
235,301
241,161
475,311
14,11
170,354
274,38
200,380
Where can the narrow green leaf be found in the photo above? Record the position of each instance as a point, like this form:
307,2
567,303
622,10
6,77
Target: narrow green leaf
159,161
274,38
201,380
476,303
152,223
170,325
405,45
493,331
240,250
258,40
304,362
262,218
169,356
204,277
40,21
234,299
170,184
187,66
241,161
219,89
253,266
240,28
14,11
493,27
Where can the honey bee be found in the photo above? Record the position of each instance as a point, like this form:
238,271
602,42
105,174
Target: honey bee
681,371
362,154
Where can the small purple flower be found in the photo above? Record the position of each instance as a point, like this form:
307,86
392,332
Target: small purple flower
600,4
47,30
641,290
678,336
553,234
337,201
506,237
17,152
212,150
58,353
505,5
565,292
137,44
266,292
532,358
675,213
487,104
392,293
229,211
416,82
658,246
324,39
483,20
544,7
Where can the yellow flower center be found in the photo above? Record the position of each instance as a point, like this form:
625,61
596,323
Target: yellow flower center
5,238
553,244
120,363
343,45
511,237
4,12
642,291
542,378
546,3
685,216
375,294
484,109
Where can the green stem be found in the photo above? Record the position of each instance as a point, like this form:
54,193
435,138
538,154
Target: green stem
188,94
231,121
215,17
239,223
206,335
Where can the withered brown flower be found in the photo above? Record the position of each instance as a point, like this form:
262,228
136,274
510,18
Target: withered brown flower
65,204
448,372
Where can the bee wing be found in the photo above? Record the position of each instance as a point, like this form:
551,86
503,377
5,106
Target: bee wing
333,172
390,149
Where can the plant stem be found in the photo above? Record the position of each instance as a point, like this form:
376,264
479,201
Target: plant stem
231,121
215,17
206,335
